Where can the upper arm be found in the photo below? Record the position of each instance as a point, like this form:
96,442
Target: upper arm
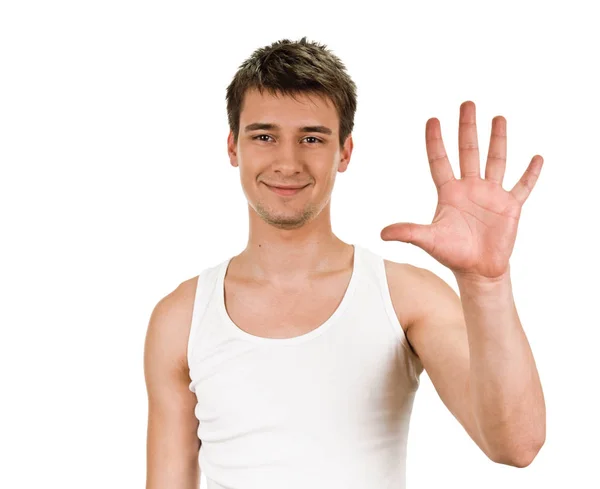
172,440
437,332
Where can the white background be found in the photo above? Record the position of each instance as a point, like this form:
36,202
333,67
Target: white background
115,187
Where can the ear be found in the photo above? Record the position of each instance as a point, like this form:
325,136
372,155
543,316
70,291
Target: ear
345,154
232,150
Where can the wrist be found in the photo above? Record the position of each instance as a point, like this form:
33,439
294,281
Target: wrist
476,283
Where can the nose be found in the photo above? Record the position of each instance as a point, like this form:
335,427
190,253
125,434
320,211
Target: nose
287,159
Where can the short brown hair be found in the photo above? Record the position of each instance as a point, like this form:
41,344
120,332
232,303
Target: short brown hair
289,68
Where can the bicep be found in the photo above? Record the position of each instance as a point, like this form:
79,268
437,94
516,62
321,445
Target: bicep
172,440
438,334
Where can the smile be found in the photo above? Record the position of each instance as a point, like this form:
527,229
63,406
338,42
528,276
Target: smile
286,191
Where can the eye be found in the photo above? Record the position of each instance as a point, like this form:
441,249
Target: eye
260,136
312,137
316,140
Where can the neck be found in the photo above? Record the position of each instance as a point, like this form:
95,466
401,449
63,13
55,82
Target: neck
295,256
291,262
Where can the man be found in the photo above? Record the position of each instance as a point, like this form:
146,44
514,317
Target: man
295,363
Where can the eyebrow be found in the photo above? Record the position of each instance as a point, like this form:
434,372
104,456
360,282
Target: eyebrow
262,125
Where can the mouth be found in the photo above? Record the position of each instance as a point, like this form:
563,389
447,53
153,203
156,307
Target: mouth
286,191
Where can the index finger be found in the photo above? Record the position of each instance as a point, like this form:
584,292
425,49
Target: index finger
440,167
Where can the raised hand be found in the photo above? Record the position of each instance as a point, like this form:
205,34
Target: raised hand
475,224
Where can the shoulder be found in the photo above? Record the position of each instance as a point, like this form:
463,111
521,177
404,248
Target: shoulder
170,322
417,291
177,305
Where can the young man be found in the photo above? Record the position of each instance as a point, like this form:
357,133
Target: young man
295,363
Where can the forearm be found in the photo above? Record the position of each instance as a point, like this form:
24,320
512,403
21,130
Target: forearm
504,384
165,474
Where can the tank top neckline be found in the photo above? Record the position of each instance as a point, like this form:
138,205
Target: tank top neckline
319,330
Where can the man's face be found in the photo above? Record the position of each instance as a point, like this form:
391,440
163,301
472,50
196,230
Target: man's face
301,148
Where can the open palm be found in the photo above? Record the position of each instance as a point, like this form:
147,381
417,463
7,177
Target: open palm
475,223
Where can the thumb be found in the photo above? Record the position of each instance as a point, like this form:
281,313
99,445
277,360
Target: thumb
408,232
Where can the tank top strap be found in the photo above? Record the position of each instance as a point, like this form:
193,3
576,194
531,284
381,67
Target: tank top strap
204,290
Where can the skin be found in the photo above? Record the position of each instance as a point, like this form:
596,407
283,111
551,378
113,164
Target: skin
290,243
290,238
473,347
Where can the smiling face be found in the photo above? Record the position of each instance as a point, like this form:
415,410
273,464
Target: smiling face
288,141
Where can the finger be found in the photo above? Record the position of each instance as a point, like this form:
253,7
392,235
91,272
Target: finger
496,158
420,235
525,185
441,171
468,150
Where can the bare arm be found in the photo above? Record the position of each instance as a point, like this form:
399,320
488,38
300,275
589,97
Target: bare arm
437,332
504,385
504,414
474,346
172,440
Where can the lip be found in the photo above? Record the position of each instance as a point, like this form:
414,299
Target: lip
286,190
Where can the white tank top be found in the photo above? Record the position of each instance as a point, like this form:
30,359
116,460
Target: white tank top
324,410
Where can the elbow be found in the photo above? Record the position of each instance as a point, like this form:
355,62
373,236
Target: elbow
519,458
519,450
